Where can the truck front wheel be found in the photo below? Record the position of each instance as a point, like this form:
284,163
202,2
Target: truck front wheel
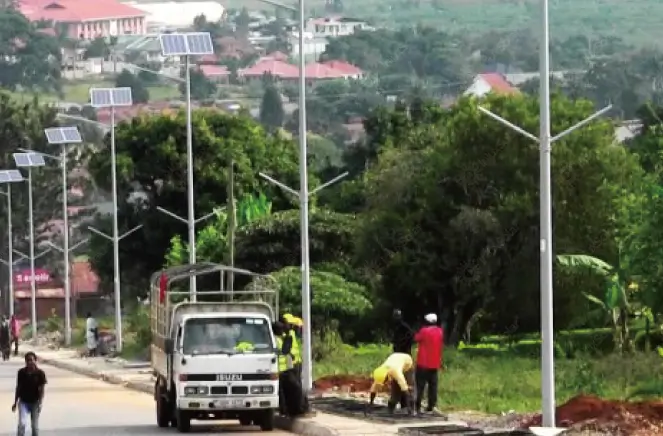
163,408
183,421
266,421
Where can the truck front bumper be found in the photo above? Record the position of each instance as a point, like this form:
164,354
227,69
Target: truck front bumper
215,404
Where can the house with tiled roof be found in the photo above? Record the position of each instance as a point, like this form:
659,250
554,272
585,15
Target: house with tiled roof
490,82
314,72
215,73
83,19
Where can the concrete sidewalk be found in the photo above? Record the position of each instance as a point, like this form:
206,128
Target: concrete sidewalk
140,378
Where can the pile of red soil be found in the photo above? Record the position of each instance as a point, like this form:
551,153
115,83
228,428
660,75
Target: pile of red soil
615,417
351,383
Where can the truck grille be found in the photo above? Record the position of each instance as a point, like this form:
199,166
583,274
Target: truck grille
219,390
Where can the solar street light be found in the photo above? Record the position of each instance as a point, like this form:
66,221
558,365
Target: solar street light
8,177
30,161
187,45
64,136
112,98
545,142
303,194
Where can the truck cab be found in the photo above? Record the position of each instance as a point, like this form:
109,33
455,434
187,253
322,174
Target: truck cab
215,359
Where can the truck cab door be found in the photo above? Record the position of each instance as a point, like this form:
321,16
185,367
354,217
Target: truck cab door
177,345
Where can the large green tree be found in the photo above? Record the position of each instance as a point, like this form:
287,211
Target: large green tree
28,58
151,156
452,218
22,126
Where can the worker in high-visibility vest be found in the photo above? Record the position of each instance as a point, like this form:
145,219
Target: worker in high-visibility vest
292,324
289,386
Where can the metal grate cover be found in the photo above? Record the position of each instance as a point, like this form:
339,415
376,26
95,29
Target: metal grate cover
379,413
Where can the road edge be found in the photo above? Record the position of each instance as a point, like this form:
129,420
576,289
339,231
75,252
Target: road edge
300,427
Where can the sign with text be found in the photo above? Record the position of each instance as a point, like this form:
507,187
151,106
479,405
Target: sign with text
41,276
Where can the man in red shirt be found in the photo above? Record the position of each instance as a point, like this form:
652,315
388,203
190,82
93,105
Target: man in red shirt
429,359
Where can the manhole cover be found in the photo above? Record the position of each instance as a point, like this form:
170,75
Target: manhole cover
442,430
356,409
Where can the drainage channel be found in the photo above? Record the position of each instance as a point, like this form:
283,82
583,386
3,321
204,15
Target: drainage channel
457,430
378,413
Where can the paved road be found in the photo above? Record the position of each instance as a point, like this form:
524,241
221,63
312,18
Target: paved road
76,405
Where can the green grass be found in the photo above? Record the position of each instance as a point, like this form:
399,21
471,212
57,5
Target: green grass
79,92
505,382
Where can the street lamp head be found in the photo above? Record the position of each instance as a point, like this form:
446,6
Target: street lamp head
63,135
10,176
29,160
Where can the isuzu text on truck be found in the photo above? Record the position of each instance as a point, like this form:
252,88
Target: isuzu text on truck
217,358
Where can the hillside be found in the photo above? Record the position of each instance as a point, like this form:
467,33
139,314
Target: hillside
638,21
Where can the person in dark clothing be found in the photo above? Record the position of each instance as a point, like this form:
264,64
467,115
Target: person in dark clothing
5,338
290,388
29,396
403,335
402,341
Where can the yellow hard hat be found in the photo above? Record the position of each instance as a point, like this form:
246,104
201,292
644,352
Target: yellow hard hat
297,321
380,375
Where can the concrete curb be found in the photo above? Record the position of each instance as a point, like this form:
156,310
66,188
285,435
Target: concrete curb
301,427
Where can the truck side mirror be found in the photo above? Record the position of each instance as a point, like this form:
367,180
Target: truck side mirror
169,346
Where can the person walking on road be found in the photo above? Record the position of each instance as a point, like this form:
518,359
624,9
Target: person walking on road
29,397
91,335
15,327
429,359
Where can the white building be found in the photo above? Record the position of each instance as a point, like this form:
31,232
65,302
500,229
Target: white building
174,15
331,27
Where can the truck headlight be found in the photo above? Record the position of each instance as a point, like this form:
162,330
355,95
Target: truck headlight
257,390
196,390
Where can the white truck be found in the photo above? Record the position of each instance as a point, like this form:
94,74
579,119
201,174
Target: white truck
216,358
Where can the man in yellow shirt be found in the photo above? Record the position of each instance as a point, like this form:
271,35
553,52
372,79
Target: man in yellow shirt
396,370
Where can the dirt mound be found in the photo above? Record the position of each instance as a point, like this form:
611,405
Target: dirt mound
586,412
352,383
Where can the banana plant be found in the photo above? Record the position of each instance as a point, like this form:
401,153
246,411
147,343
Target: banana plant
615,302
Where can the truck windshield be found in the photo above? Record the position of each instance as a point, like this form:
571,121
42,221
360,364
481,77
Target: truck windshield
226,335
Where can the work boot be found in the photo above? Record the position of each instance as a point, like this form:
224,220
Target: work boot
391,407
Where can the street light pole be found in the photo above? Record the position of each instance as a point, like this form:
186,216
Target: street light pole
112,98
191,221
63,136
29,161
185,45
9,177
545,142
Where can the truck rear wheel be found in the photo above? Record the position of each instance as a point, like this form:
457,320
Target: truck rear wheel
163,407
183,421
266,421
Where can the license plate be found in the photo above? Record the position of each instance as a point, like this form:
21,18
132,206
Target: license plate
230,404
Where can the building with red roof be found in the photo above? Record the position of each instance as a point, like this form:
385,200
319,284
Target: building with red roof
314,72
83,19
215,73
490,82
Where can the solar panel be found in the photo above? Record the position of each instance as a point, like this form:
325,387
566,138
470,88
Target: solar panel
100,97
173,44
71,135
199,43
121,96
22,159
29,159
8,176
54,135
